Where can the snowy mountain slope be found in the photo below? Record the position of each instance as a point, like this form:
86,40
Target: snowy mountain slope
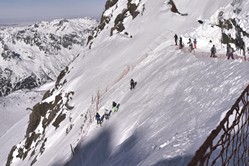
45,47
179,98
31,56
15,109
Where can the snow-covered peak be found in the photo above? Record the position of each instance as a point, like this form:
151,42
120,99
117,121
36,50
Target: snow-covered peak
32,55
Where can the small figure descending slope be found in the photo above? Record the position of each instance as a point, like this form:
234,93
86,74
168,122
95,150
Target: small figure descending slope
115,106
97,116
132,84
107,114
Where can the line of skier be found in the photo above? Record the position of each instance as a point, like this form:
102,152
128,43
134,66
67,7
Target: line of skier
107,114
192,45
229,49
115,107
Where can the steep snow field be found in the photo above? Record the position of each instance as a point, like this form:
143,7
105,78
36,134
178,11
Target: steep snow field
178,100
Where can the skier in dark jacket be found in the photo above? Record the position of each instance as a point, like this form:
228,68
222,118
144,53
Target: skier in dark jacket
180,43
190,45
176,38
213,52
228,45
132,84
97,116
244,50
195,42
230,52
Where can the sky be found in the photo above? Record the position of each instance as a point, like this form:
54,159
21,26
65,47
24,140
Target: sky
12,11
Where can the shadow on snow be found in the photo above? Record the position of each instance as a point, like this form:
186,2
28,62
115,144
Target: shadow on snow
99,152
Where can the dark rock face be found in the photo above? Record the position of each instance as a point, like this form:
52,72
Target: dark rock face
110,3
174,8
29,82
130,10
228,24
61,75
44,115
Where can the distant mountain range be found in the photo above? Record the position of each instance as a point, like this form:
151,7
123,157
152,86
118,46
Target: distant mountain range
32,55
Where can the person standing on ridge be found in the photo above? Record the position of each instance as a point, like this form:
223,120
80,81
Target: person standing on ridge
213,52
176,38
230,52
180,43
227,49
244,49
190,45
195,42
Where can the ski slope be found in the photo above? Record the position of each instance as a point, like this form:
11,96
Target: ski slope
178,100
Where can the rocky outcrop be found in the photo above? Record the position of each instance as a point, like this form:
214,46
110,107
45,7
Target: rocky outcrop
43,115
228,25
131,10
174,8
8,85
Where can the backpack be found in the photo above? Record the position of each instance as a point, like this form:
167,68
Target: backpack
114,104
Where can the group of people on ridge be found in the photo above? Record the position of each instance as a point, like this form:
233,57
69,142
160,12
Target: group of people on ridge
115,107
192,46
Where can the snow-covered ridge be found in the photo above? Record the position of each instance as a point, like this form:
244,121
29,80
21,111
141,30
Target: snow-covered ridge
32,55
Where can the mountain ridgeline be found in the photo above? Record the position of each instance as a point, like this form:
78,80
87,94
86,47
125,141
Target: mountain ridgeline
30,56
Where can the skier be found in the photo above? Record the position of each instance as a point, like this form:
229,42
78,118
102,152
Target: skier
230,52
97,116
176,38
189,41
213,52
244,50
115,107
132,84
227,49
195,42
107,114
190,45
180,43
